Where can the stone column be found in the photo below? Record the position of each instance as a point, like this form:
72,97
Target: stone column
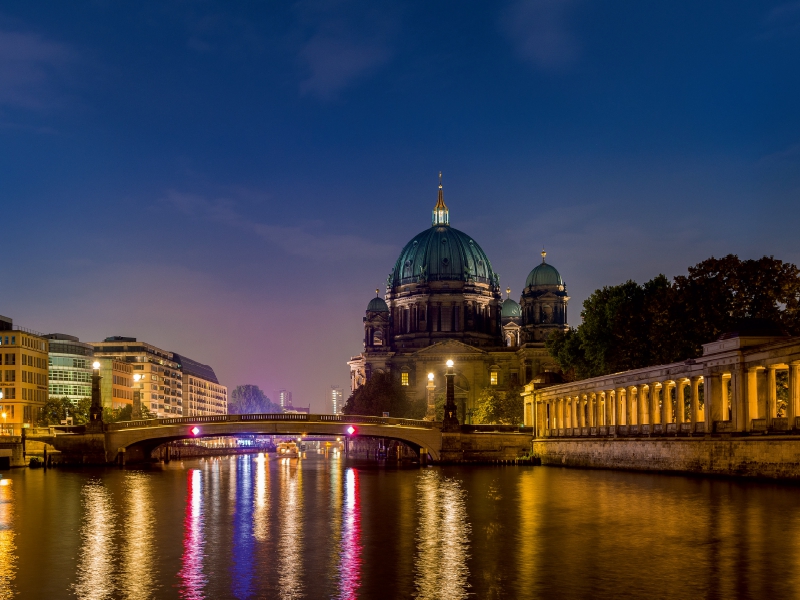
630,407
749,405
793,406
761,393
655,416
561,410
772,394
712,388
724,400
641,398
609,402
680,400
666,404
694,412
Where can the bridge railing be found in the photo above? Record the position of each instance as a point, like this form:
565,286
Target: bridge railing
293,417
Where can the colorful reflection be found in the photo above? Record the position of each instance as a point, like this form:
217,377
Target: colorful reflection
193,581
350,561
440,567
261,509
139,567
8,548
95,578
243,569
290,548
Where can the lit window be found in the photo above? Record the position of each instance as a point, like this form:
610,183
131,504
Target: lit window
493,377
404,378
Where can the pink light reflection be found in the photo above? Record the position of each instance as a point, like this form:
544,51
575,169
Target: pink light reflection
191,574
350,563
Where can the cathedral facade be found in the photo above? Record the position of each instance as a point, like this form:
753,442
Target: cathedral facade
443,302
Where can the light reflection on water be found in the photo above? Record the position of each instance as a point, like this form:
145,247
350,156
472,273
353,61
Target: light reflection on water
96,577
290,546
193,579
259,527
8,557
139,568
442,538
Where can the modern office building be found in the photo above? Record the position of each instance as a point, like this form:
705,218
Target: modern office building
336,398
116,382
24,383
202,392
160,381
70,361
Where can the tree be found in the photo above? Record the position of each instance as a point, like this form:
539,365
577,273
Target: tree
631,326
498,407
56,410
383,393
249,399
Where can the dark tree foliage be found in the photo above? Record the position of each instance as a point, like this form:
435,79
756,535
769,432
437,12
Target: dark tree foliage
383,393
249,399
631,326
56,410
499,407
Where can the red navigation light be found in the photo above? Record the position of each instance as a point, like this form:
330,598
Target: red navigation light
195,430
351,430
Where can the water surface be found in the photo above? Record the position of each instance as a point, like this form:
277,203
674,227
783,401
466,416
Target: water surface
261,527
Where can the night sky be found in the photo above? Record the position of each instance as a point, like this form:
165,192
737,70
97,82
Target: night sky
232,183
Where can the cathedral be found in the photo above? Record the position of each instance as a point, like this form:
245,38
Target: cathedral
443,302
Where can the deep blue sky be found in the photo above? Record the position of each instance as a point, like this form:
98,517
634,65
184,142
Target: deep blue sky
232,183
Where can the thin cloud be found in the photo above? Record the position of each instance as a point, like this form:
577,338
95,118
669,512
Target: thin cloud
781,21
540,32
310,242
30,67
343,42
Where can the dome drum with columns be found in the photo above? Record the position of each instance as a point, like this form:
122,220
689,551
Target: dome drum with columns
443,302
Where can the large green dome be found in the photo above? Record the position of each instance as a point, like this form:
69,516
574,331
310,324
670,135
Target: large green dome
510,309
377,305
544,274
442,253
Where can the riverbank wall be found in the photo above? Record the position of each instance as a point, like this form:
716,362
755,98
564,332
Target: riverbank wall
772,457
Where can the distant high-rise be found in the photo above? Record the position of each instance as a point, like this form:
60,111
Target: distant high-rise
284,399
336,399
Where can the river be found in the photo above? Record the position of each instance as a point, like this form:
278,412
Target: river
260,527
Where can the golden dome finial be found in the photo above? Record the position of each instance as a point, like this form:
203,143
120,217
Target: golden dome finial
543,254
378,292
508,292
441,215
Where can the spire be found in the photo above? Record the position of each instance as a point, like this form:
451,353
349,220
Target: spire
441,214
543,254
377,293
508,292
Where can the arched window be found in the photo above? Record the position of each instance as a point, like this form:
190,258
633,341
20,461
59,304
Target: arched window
377,338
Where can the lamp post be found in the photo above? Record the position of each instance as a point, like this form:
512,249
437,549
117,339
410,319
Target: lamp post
136,409
95,424
450,420
4,415
431,414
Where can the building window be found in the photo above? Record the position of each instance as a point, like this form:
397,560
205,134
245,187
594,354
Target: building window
404,378
493,377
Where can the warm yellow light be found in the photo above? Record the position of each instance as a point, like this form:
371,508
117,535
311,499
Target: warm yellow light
430,376
95,365
3,415
449,363
137,377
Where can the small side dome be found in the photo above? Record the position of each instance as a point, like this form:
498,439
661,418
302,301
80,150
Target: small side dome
544,274
377,304
510,309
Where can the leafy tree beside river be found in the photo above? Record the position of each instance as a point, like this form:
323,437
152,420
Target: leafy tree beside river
630,326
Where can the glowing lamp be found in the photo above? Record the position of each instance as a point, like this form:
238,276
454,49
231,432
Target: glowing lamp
449,363
137,377
430,376
95,365
195,430
351,430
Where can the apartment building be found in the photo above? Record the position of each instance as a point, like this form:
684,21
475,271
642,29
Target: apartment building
202,392
24,385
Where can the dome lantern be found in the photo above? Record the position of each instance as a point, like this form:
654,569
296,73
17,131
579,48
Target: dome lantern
441,214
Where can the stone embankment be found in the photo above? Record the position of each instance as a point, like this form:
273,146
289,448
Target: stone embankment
774,457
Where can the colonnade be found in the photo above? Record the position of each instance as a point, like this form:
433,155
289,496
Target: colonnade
733,387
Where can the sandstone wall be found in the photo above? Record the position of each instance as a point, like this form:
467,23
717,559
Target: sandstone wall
773,456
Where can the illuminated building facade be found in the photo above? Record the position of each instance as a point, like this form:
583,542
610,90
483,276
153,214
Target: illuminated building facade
336,399
24,383
443,301
202,392
70,362
116,383
160,380
284,399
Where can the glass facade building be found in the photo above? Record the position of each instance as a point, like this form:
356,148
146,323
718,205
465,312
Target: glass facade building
70,362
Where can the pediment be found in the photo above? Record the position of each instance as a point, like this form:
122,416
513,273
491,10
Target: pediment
449,347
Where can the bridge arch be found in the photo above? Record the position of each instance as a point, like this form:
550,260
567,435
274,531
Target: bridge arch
138,438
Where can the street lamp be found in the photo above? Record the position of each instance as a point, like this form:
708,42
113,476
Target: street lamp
450,422
4,421
431,413
136,409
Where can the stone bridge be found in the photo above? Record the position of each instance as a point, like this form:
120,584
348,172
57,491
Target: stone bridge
136,439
